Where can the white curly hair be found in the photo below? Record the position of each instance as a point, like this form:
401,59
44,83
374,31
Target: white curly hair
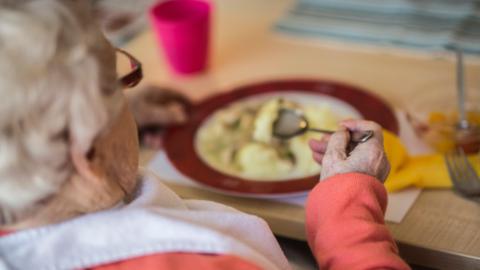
57,88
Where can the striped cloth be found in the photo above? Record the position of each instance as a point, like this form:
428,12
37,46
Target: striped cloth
433,25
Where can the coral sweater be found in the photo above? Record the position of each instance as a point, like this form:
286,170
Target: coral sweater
345,230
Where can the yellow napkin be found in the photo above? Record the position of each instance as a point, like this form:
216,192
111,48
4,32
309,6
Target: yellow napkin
426,171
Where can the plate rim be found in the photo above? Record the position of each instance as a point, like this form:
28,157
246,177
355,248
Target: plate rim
187,161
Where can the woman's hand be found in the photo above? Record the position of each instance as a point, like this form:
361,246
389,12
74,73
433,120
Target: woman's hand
368,157
155,108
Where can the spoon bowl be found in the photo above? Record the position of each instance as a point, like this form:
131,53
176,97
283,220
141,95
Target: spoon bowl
291,123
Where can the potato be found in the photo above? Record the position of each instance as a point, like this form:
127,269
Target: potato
304,162
263,124
321,117
261,161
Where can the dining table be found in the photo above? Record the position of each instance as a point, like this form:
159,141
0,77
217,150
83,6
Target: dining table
441,230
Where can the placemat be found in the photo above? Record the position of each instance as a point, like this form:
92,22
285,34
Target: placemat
429,25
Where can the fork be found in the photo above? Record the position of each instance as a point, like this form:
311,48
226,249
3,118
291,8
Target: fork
464,177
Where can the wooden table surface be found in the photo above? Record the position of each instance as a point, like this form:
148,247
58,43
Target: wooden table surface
441,230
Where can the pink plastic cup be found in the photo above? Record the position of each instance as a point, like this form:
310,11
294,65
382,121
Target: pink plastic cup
182,28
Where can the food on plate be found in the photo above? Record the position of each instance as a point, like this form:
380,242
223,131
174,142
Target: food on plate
238,140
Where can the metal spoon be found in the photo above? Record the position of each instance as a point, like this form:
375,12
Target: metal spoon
291,123
467,135
463,122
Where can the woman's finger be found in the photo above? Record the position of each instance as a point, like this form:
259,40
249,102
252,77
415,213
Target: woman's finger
363,125
153,105
318,146
159,96
318,157
337,145
169,114
152,141
161,115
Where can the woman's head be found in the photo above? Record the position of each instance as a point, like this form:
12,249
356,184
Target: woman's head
61,112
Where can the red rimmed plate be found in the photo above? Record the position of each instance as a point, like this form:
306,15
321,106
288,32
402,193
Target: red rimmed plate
179,142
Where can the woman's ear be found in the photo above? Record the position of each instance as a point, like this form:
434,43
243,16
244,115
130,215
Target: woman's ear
112,156
81,163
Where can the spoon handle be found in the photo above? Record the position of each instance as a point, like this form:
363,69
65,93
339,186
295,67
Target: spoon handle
319,130
356,137
461,90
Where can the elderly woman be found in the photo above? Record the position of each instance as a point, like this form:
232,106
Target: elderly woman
70,197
